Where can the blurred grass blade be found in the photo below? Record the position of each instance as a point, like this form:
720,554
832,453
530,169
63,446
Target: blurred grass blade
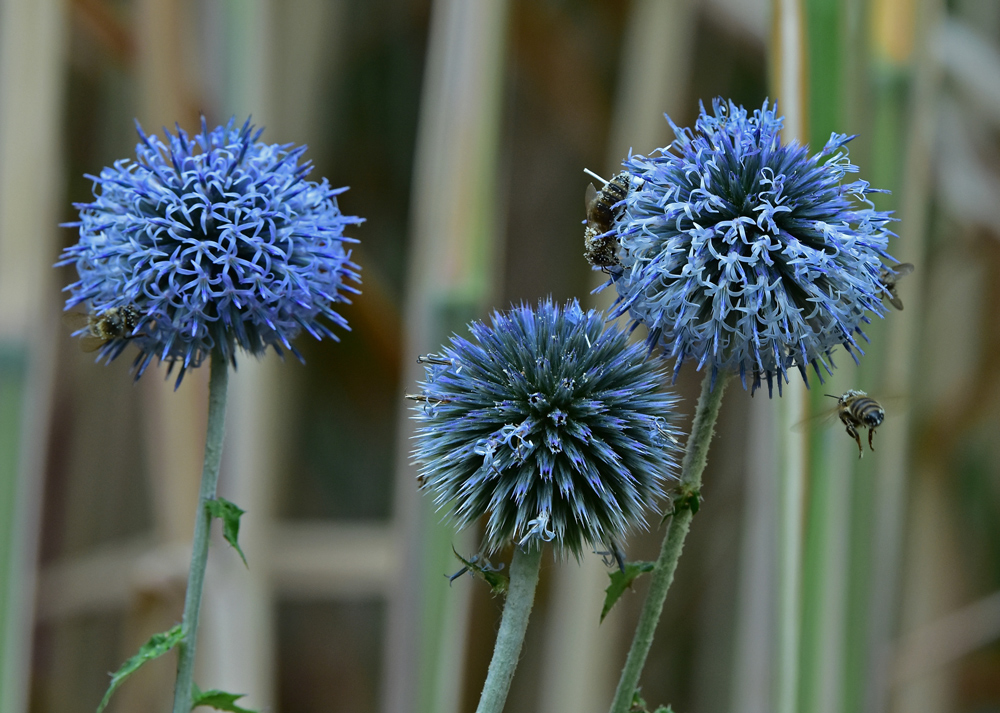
789,78
891,491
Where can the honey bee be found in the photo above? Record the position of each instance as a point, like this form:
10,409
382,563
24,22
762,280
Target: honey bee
112,323
856,409
889,277
600,246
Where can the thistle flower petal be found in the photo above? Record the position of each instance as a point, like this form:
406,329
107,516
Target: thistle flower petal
550,424
748,255
215,241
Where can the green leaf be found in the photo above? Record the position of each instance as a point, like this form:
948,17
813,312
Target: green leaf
620,581
638,704
230,514
157,645
664,709
497,580
219,700
685,500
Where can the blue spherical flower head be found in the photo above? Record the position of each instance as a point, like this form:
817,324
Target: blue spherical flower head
208,243
550,424
748,255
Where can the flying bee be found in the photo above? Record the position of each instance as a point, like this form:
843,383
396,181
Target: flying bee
889,277
856,409
600,246
103,327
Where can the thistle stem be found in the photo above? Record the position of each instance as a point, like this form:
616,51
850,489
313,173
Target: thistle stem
520,597
217,383
695,457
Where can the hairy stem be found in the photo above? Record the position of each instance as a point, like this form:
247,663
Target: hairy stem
199,550
520,596
685,506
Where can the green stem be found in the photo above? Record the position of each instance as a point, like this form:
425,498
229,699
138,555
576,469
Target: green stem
695,458
520,596
199,550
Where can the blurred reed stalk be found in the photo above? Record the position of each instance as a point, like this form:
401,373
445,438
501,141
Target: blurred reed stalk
832,52
32,68
788,81
906,85
848,588
878,483
454,249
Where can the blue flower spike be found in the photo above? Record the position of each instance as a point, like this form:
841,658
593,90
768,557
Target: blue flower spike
747,255
213,241
550,424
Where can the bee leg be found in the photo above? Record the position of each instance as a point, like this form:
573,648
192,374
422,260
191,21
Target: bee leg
852,432
871,432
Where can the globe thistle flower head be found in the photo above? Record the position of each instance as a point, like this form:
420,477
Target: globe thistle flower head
215,241
549,424
748,255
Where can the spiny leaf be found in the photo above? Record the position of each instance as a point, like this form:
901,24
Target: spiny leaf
492,576
686,500
620,581
219,700
157,645
638,703
230,514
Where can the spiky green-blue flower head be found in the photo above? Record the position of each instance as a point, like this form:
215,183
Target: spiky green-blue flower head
550,424
216,241
748,255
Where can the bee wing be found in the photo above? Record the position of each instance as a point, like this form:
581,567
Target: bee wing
589,197
902,270
90,343
894,405
823,418
76,320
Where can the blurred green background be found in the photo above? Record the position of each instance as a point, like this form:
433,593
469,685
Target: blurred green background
463,129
